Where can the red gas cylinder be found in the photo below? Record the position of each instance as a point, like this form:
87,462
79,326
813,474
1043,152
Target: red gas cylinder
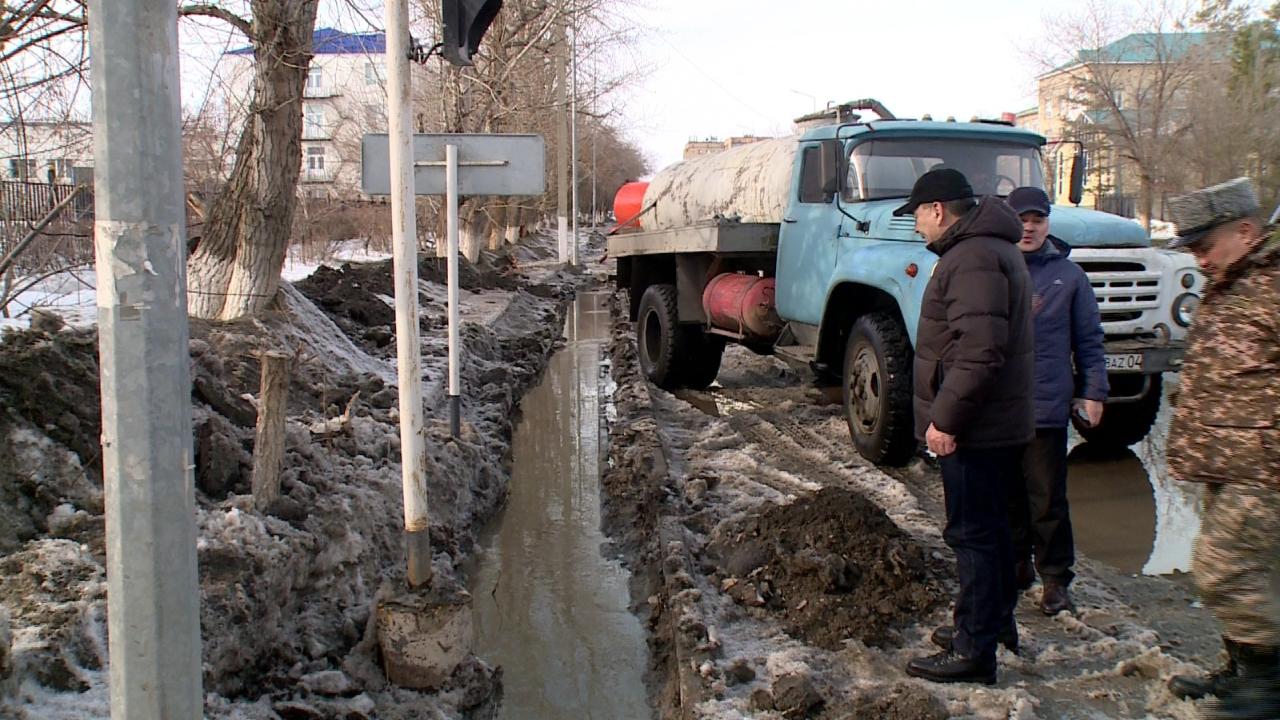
627,205
742,304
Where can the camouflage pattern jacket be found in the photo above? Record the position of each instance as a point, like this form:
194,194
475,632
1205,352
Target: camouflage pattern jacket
1226,427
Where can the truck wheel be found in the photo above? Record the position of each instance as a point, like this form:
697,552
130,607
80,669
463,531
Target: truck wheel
877,390
658,336
1124,424
701,362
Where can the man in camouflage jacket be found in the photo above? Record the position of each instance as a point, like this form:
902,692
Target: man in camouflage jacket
1226,434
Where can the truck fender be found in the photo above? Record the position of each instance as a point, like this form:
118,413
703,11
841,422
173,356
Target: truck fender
869,279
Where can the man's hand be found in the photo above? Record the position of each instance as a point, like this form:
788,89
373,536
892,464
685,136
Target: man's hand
1091,410
939,442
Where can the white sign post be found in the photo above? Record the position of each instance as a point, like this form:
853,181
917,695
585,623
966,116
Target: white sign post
453,164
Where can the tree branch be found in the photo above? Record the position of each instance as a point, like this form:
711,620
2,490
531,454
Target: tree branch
223,14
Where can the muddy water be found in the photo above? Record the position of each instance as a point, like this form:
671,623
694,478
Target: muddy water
1125,509
548,607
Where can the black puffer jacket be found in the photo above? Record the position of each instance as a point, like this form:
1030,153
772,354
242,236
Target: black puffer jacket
975,352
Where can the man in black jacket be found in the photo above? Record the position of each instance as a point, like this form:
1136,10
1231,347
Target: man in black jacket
974,371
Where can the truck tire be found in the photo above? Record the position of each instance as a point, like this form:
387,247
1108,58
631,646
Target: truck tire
877,390
1124,424
702,353
658,337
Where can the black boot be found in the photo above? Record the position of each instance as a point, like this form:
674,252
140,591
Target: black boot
951,667
1191,687
1008,637
1254,694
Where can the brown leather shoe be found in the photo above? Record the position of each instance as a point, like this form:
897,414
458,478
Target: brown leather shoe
1055,598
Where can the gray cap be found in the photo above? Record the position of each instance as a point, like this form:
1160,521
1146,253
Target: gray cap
1197,213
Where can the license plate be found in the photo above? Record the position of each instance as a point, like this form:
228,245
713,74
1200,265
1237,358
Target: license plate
1121,362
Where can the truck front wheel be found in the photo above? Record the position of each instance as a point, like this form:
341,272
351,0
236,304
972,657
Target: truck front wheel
877,389
1124,424
658,337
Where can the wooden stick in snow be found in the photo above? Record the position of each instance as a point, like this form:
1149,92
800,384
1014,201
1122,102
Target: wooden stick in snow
268,448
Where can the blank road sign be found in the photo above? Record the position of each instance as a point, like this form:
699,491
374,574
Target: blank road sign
488,164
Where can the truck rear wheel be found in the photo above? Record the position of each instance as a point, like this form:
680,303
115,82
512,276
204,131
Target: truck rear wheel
877,390
1124,424
658,337
702,353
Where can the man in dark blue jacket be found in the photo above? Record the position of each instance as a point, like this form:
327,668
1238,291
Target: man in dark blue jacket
1070,376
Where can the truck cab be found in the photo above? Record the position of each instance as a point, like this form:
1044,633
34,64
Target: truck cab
851,277
792,249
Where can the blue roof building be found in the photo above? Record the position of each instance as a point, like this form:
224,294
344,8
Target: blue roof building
327,41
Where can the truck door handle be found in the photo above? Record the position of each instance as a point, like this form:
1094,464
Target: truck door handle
788,220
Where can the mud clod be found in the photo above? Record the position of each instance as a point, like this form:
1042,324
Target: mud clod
832,563
796,697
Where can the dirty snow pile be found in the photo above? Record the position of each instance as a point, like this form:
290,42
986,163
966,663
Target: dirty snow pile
286,595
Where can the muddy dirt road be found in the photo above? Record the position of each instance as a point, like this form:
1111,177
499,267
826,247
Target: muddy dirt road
783,576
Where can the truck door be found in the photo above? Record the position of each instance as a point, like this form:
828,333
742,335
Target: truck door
807,241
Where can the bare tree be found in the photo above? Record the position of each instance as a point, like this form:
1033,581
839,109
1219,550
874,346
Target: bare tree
512,88
1127,78
234,270
1235,132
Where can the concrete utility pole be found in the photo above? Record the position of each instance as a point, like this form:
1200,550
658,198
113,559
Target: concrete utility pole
562,151
153,595
404,238
573,144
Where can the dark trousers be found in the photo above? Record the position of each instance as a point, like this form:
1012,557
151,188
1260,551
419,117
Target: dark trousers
975,482
1038,512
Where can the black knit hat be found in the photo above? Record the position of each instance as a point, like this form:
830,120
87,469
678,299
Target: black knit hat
940,185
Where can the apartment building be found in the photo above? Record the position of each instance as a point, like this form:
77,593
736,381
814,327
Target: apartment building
44,151
344,98
707,146
1130,68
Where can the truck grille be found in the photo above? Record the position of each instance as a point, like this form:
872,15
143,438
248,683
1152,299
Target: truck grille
1125,289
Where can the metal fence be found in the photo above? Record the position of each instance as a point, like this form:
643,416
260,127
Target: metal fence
67,240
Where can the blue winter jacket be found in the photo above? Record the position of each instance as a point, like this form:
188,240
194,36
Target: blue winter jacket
1067,326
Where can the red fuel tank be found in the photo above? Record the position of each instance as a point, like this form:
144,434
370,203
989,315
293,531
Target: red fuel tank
742,304
627,205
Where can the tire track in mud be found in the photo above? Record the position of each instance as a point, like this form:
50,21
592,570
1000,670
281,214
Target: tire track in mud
804,446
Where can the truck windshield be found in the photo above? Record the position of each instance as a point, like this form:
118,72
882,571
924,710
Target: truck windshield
888,168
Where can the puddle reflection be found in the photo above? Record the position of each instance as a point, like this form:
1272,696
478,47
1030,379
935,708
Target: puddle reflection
1125,509
548,607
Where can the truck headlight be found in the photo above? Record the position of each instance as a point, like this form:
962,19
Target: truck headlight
1188,280
1184,308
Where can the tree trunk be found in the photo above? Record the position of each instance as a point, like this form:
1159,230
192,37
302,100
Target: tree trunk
235,269
1146,199
512,231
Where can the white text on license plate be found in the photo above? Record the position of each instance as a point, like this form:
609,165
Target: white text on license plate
1124,361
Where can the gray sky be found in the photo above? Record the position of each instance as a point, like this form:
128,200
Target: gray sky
728,67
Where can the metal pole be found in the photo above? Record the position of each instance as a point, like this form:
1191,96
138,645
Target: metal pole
562,153
451,220
153,596
595,133
404,238
573,145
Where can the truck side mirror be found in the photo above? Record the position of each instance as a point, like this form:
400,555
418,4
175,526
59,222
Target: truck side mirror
1077,181
831,166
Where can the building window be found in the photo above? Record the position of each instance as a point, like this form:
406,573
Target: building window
61,168
315,78
374,72
314,121
315,159
22,168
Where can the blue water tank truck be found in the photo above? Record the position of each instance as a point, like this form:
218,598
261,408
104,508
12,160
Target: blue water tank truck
788,246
